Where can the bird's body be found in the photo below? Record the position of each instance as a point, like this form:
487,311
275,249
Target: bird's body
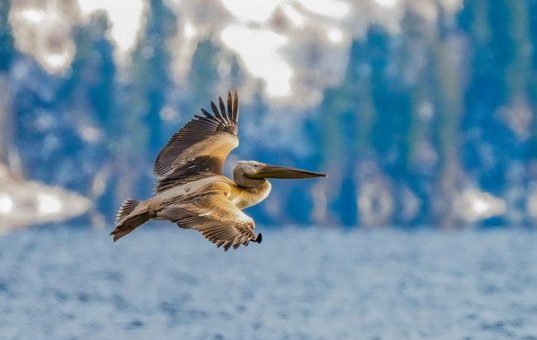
192,190
240,197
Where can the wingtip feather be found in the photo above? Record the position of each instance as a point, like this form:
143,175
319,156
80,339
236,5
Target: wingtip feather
236,107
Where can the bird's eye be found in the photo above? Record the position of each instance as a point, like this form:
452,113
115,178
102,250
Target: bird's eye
256,166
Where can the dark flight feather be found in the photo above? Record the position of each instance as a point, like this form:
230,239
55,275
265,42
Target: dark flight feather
207,139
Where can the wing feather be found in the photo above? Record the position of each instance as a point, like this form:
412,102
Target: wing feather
215,217
200,148
230,105
223,109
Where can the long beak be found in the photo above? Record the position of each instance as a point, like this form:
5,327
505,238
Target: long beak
275,171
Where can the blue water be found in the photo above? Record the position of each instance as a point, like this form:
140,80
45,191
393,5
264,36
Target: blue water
164,283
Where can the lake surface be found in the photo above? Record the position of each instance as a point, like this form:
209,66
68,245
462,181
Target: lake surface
318,283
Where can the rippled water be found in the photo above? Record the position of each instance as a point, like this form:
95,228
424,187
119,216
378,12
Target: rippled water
165,283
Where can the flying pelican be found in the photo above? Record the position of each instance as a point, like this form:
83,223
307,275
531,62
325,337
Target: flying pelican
192,190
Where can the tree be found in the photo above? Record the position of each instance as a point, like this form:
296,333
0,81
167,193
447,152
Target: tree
7,53
7,50
151,74
203,78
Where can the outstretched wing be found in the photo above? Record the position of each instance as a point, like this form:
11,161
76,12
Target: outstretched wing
200,148
217,218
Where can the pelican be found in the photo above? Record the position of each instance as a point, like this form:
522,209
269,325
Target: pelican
191,189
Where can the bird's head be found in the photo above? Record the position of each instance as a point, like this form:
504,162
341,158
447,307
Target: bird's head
251,173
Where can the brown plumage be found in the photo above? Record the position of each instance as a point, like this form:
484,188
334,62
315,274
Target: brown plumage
191,189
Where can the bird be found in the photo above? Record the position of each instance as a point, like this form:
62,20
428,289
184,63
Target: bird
191,189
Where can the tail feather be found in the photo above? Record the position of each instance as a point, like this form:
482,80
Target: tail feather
125,223
126,208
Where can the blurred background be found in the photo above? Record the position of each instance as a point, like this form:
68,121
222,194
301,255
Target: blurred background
422,112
